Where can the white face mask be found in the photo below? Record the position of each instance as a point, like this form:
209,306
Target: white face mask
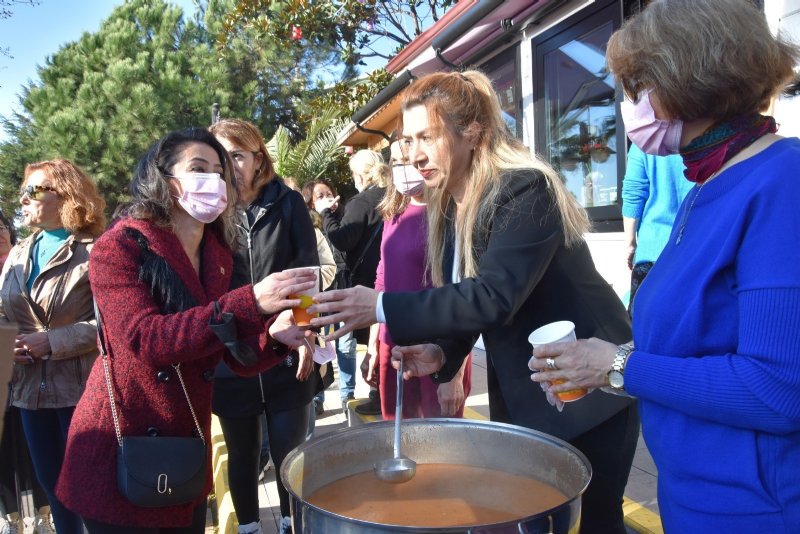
359,184
205,195
407,180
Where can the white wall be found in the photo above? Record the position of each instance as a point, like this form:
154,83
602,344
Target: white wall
784,19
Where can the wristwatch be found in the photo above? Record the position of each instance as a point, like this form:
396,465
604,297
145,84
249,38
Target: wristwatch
616,376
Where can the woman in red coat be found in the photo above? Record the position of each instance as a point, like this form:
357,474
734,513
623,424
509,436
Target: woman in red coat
160,277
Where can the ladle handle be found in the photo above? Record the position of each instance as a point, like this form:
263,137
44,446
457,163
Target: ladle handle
398,411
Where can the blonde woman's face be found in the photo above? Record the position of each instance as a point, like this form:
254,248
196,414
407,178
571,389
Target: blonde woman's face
40,203
245,163
426,145
396,155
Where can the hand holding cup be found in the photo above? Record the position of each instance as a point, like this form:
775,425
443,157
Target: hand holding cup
302,317
558,332
275,292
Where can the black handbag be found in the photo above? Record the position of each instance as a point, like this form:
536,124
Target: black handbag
157,471
350,274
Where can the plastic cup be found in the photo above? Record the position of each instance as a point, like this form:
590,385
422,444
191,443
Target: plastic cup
558,332
300,313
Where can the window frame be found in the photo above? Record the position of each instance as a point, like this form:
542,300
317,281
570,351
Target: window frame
604,218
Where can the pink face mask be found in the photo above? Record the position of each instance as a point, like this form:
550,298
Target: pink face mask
205,195
652,135
408,180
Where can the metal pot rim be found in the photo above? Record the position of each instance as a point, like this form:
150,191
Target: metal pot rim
354,432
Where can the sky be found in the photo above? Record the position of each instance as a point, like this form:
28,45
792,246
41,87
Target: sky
35,32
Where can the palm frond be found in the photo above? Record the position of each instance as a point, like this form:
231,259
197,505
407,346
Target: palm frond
314,156
279,148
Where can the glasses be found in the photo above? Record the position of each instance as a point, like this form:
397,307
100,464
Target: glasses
35,192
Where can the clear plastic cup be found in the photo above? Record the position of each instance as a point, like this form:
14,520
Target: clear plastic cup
300,313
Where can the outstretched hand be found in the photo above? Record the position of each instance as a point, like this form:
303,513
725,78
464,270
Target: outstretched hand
355,307
418,360
273,293
322,204
284,329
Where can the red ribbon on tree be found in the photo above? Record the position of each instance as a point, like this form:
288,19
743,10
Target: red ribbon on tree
297,32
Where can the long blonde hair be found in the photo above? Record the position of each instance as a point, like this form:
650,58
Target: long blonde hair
468,105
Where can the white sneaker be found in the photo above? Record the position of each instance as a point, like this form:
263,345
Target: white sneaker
43,524
286,525
11,524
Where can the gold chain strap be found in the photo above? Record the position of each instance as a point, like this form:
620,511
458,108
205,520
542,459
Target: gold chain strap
114,415
177,367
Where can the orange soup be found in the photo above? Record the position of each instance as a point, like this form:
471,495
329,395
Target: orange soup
301,315
439,495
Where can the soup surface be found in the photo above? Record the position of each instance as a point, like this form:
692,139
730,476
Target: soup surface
439,495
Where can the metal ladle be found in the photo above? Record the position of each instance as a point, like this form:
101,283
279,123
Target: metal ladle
398,469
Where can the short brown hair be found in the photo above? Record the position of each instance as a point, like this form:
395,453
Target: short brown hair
704,59
247,137
82,206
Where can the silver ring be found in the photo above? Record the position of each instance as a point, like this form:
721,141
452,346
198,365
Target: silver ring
551,364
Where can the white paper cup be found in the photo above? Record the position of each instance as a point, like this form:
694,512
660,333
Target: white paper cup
558,332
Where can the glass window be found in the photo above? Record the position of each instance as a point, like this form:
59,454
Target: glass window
502,70
576,112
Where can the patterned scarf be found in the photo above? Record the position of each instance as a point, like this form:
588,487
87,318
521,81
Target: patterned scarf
706,154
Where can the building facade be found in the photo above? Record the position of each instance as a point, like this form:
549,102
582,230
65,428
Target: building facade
546,59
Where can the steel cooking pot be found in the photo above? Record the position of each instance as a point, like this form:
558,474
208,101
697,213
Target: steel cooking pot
503,447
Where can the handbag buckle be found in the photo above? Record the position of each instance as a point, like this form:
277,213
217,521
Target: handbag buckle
161,484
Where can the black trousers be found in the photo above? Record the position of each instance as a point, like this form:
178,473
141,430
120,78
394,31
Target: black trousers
16,468
609,447
287,429
638,274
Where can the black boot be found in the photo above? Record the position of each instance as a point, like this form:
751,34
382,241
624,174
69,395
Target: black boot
372,406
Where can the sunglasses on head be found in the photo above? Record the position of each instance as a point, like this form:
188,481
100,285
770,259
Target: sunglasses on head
35,192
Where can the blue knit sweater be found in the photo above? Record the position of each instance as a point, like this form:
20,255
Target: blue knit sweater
652,191
717,359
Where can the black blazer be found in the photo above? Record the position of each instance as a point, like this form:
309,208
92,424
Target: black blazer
276,234
527,278
352,233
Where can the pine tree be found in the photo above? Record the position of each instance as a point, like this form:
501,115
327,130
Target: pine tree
102,100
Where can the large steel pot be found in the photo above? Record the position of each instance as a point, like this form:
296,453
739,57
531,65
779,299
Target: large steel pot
508,448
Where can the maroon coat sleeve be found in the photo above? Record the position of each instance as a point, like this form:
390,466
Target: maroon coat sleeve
269,350
133,319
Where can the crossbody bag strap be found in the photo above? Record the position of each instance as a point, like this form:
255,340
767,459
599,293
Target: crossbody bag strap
360,260
107,372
